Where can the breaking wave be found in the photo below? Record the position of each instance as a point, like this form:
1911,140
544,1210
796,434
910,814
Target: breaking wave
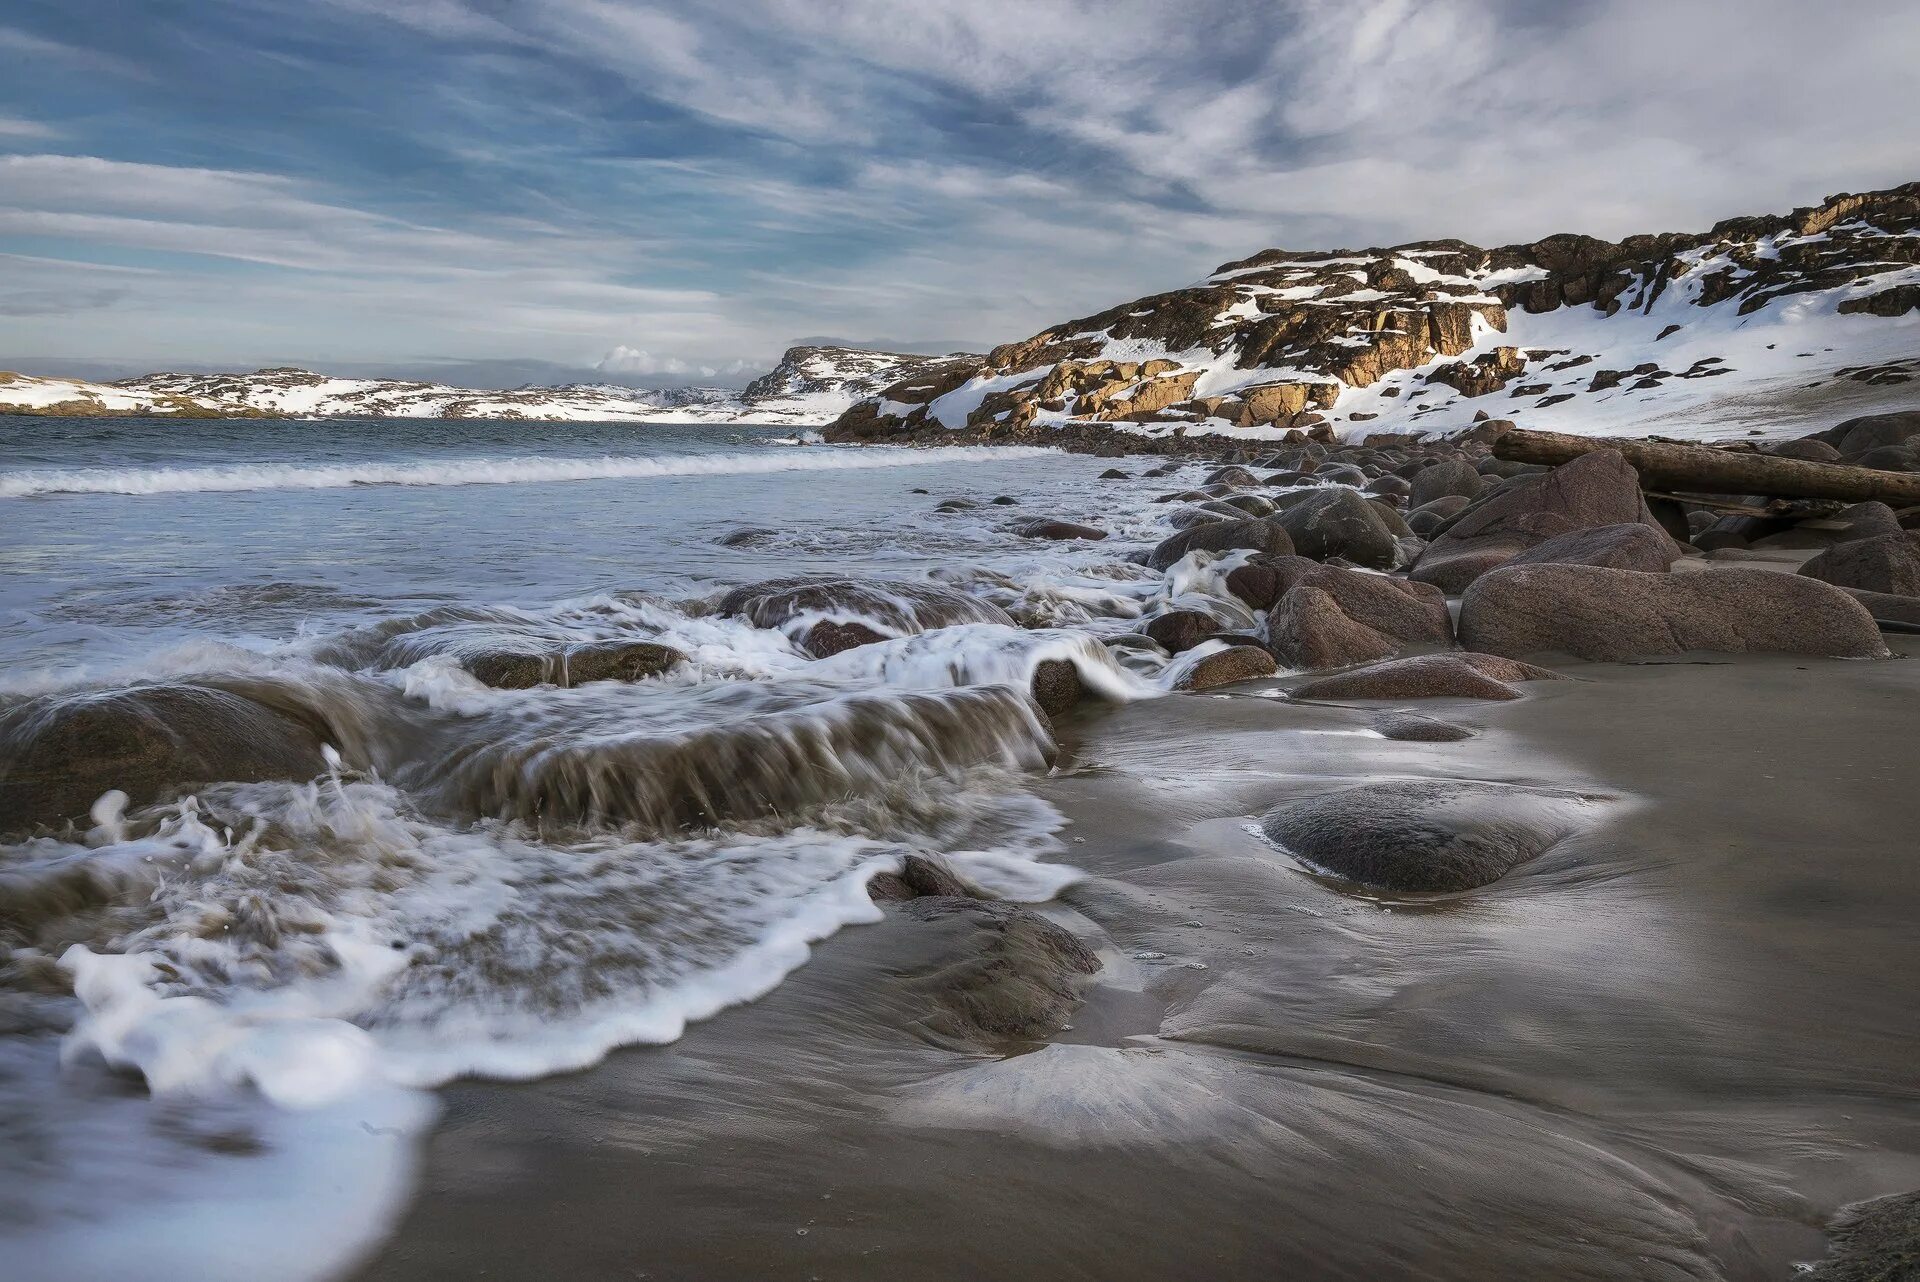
470,471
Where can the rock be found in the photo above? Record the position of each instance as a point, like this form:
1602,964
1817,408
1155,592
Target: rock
1624,547
1598,488
1425,834
1048,529
887,607
1235,476
1250,504
1004,500
1812,451
575,666
1255,584
1886,563
1372,616
1898,613
745,537
1427,519
1457,675
1178,631
1858,436
1115,474
1450,478
60,753
1593,612
1225,667
1338,522
919,875
1877,1241
1016,978
825,639
1056,686
954,505
1389,485
1420,729
1890,458
1309,630
1222,536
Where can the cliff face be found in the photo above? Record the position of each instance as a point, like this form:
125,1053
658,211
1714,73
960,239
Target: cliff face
1288,339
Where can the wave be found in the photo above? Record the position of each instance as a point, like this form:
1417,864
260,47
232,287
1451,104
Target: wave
480,470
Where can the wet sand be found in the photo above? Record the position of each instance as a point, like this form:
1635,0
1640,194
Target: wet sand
1671,1047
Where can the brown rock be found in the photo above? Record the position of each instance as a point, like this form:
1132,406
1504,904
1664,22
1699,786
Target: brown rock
1178,631
1886,563
1624,547
1460,675
1048,529
1226,667
1593,612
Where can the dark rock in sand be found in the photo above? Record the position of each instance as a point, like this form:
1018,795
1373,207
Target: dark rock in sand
1420,729
1424,834
1222,536
1048,529
1455,675
1180,630
1598,488
1450,478
1056,686
1593,612
1018,979
1624,547
60,753
919,876
1877,1241
573,666
1225,667
1886,563
1338,522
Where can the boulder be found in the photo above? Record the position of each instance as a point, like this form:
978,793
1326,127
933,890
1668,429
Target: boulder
1222,536
1859,436
1449,478
1457,675
1233,475
1624,547
1056,686
1425,834
1427,519
1886,563
1339,522
1115,474
1255,584
919,876
1309,630
60,753
1595,489
1225,667
1593,612
1178,631
573,666
1050,529
1363,616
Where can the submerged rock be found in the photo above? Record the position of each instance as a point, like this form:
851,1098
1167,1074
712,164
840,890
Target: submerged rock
574,666
828,615
1016,978
1051,529
1592,612
919,875
1257,535
1225,667
1459,675
1425,834
60,753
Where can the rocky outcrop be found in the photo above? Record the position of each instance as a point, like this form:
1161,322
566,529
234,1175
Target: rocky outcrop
1280,338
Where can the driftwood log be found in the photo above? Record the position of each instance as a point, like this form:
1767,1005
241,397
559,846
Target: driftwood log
1670,466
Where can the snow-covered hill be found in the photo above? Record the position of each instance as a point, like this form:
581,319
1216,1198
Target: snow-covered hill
1761,324
810,387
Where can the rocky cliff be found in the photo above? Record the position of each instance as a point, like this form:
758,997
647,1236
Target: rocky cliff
1432,333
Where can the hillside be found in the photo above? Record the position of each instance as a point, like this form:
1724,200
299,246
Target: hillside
810,387
1759,322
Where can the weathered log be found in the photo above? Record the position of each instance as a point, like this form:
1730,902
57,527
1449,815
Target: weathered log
1670,465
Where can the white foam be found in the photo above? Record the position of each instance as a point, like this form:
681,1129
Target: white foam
475,471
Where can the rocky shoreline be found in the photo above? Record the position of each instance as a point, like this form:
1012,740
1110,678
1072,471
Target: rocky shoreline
1396,591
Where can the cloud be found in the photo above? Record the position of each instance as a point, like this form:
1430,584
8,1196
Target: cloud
668,188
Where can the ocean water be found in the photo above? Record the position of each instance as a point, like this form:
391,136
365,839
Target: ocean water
228,1011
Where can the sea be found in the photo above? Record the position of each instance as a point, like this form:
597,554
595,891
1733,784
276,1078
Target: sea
223,1017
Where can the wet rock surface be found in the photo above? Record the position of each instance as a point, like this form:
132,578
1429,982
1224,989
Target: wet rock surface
1424,835
1597,613
574,666
1463,675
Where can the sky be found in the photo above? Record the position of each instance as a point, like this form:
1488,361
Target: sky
520,190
